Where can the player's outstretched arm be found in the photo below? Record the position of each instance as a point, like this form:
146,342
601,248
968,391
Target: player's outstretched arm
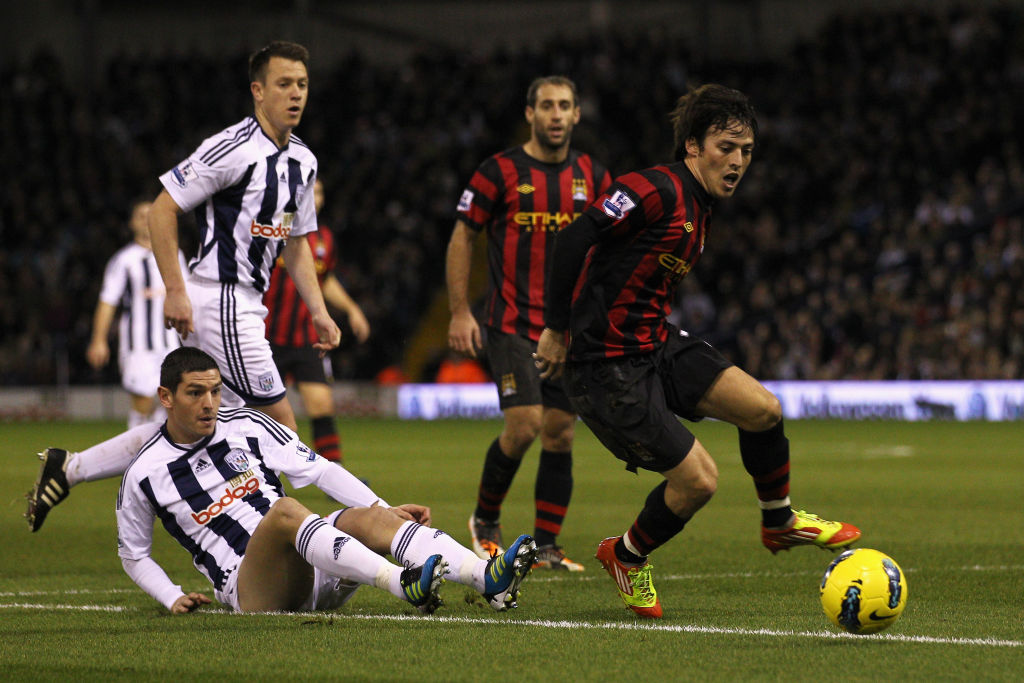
151,577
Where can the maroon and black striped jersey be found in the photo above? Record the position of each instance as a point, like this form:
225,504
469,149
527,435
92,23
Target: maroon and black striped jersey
289,322
647,233
523,203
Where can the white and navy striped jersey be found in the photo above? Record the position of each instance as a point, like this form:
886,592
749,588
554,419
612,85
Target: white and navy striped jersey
210,496
248,197
132,281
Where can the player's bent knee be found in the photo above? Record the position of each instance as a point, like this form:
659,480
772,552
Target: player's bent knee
767,414
704,489
287,513
374,527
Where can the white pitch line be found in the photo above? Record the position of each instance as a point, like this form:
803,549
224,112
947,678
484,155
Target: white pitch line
84,591
84,608
689,628
565,576
568,625
575,576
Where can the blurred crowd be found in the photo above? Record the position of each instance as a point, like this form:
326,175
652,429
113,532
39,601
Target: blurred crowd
877,235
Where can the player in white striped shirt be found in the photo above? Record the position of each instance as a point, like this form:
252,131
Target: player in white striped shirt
212,478
251,189
131,282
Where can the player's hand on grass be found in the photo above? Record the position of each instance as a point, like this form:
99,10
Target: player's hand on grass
189,603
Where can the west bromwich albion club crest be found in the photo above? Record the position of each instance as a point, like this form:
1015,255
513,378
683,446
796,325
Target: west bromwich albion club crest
266,381
237,460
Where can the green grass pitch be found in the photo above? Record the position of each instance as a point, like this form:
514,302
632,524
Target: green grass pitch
944,499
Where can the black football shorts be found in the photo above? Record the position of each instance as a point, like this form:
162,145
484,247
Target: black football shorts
632,403
510,358
301,364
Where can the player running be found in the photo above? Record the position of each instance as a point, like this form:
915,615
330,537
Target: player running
629,373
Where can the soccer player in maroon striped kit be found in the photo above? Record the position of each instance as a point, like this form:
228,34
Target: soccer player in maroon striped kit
522,197
291,334
629,374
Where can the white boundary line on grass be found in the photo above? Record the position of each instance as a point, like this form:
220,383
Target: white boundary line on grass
83,608
575,625
566,576
564,624
691,628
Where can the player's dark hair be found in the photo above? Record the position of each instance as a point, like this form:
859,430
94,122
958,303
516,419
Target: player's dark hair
708,109
531,92
279,48
136,201
181,360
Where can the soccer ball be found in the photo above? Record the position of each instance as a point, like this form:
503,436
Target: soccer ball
863,591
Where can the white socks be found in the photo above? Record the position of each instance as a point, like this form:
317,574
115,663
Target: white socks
414,543
341,555
109,458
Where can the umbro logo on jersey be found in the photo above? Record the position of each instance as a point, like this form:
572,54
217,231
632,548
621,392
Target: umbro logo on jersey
525,188
202,465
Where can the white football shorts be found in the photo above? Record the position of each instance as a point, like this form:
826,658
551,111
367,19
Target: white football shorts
229,326
140,371
329,592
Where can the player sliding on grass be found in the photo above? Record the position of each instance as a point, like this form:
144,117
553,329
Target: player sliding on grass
213,479
629,373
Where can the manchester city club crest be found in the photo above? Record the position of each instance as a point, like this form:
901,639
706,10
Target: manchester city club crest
579,189
508,384
237,460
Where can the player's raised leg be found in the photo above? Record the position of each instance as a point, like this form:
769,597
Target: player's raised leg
738,398
60,470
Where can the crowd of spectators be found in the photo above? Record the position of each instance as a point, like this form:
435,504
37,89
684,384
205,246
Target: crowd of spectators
878,234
